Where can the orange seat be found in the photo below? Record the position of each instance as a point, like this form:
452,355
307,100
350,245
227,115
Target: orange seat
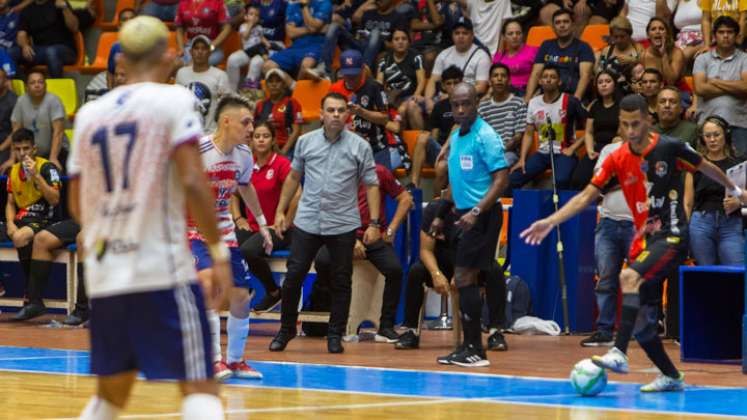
309,94
596,36
232,43
100,62
80,63
410,137
114,23
539,34
688,80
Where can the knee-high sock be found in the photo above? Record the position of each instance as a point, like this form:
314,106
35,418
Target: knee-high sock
655,351
237,330
24,257
471,307
99,409
202,407
38,279
214,320
631,305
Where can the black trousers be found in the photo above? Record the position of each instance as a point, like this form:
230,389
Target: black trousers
304,248
383,256
252,249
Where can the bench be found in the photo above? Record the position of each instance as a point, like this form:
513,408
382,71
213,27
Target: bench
65,256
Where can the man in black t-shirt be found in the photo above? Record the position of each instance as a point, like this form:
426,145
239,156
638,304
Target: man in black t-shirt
441,121
46,35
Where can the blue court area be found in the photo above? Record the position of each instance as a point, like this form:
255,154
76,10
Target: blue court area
703,401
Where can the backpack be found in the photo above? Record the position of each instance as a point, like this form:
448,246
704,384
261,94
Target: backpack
518,299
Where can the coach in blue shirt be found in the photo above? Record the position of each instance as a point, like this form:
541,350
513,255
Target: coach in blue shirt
478,174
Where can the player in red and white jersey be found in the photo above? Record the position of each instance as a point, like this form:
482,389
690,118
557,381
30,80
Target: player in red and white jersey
228,165
136,167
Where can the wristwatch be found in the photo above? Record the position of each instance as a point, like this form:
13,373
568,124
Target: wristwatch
389,232
475,211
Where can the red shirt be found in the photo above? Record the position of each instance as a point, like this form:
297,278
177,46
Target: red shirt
388,185
281,114
201,17
268,181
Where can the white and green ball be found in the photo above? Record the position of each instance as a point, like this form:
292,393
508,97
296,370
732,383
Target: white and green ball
587,378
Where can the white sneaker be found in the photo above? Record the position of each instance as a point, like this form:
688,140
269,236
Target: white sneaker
614,360
664,383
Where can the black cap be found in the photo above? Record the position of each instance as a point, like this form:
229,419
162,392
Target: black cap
464,22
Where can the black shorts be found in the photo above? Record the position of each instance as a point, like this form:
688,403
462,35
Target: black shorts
34,223
66,231
476,247
660,256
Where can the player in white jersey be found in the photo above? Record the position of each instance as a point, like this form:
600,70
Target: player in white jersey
136,167
228,164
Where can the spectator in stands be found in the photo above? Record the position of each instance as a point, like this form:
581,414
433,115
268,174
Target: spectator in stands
111,64
604,11
305,24
601,127
487,16
572,57
614,234
8,101
86,12
579,9
640,13
687,20
46,242
368,105
162,9
651,84
661,53
621,55
713,9
208,83
435,269
46,35
9,19
272,18
554,115
236,11
380,253
669,112
505,112
281,111
256,49
270,171
516,55
429,144
465,54
716,235
334,162
402,74
33,191
42,113
208,18
720,78
428,28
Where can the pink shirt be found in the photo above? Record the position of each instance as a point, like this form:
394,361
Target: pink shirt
520,65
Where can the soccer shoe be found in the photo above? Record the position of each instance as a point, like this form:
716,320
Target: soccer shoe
446,360
268,303
497,342
242,370
598,339
407,341
471,357
221,371
664,383
30,311
614,360
386,335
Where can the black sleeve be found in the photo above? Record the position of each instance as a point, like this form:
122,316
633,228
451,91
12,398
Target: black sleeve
687,158
50,174
429,213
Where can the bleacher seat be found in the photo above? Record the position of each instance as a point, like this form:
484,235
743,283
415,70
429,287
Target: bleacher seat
538,34
68,93
100,62
410,137
596,36
18,87
80,63
114,22
309,94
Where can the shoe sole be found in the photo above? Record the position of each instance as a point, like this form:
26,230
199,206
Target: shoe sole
481,363
405,347
599,362
443,362
498,348
247,375
677,389
222,376
383,339
599,344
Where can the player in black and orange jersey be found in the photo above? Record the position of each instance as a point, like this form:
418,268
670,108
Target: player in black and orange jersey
649,171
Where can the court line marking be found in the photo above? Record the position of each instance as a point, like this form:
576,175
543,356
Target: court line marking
13,359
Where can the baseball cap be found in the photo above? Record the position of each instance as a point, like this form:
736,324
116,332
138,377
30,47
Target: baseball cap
202,38
274,72
351,63
464,22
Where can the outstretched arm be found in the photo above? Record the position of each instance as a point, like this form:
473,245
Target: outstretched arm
535,233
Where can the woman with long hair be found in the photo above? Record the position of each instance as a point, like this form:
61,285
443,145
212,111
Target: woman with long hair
661,53
716,235
516,55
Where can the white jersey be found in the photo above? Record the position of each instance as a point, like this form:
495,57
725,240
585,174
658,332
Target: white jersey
225,172
131,200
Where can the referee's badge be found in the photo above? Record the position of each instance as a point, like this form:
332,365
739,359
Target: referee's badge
270,174
465,161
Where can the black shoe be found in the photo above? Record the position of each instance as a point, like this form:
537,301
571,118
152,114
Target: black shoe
471,357
386,335
497,342
76,318
334,344
281,340
268,303
446,360
407,341
598,339
30,311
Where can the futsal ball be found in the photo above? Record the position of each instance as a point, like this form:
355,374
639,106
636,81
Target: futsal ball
587,378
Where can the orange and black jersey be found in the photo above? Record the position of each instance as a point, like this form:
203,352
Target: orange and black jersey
652,184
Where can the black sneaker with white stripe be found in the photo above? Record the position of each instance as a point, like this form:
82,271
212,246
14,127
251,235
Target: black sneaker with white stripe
446,360
471,357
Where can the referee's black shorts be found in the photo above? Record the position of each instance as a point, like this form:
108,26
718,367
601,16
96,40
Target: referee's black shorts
475,248
66,231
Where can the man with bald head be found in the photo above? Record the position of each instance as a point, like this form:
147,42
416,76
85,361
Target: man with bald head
477,176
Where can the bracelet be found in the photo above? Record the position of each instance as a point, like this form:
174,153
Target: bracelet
219,252
261,221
